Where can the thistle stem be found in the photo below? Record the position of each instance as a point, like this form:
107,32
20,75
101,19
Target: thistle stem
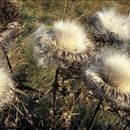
8,61
54,88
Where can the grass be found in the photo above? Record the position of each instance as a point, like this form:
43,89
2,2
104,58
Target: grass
33,110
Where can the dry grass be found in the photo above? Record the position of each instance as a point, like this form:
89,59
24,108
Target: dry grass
33,110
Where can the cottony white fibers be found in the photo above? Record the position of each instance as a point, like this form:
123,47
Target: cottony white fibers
117,71
115,22
66,43
114,68
108,74
70,35
5,87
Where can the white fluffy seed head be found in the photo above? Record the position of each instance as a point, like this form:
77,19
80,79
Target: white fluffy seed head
70,35
63,45
6,84
115,22
114,68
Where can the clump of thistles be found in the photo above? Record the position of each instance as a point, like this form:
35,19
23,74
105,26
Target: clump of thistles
65,43
109,75
6,88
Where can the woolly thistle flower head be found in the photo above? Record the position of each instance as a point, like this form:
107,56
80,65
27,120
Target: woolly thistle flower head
6,88
113,21
65,43
109,72
70,35
110,26
7,36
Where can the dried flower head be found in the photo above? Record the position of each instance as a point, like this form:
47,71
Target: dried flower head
110,26
6,88
115,22
7,36
109,75
64,44
70,35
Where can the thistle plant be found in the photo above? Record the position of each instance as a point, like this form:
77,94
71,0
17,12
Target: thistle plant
6,88
110,28
108,73
65,45
9,19
101,65
7,36
9,15
121,28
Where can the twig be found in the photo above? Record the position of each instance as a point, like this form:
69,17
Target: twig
5,37
94,116
55,87
22,114
8,61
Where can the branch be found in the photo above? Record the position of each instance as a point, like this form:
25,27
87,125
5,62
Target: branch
55,87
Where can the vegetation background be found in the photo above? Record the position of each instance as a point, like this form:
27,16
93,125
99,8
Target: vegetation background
33,107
